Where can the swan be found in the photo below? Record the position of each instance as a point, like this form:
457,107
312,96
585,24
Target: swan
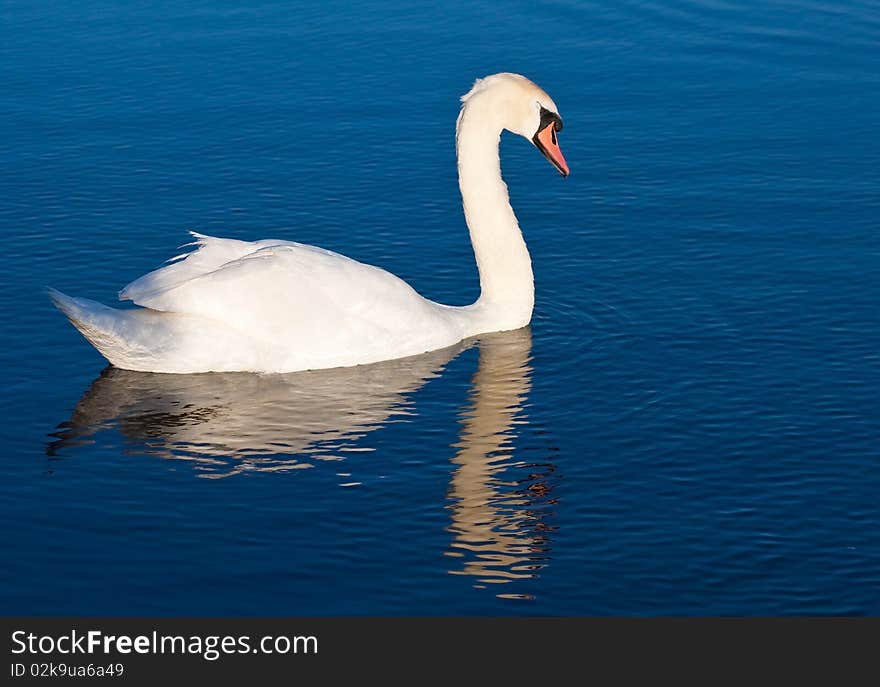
277,306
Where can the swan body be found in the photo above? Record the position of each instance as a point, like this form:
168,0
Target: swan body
280,306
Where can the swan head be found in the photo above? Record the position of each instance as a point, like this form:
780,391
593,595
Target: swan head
521,107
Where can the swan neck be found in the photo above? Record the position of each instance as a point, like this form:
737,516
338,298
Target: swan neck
507,291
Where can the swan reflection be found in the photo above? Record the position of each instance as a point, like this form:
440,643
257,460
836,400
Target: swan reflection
499,501
233,422
500,493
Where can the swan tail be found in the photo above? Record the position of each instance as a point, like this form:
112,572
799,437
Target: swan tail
103,327
149,340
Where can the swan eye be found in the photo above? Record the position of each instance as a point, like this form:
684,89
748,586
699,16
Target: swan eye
548,118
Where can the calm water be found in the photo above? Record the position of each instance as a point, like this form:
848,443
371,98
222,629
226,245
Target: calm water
690,425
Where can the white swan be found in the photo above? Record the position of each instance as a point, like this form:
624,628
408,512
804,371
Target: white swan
279,306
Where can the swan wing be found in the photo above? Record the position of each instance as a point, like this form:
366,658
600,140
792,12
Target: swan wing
300,301
210,254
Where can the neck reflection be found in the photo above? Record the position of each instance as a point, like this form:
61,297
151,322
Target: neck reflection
499,501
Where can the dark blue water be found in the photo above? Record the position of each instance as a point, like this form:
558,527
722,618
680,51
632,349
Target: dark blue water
689,426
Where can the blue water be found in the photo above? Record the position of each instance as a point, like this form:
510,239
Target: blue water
689,426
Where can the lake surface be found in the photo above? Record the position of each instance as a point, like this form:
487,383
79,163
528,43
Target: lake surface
689,426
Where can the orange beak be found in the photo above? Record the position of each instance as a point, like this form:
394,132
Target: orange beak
546,142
